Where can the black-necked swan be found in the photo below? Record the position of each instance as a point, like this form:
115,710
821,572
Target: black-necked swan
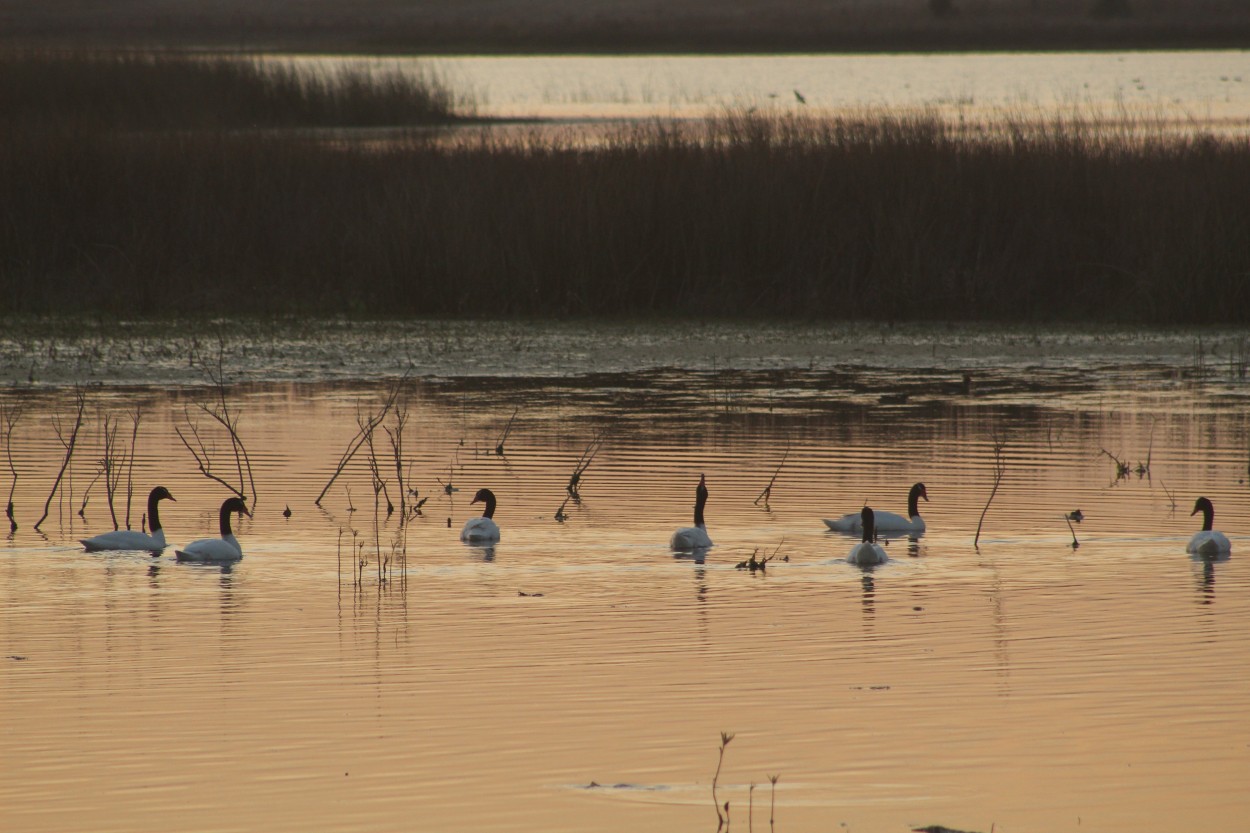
1207,542
131,539
225,548
483,528
867,551
887,521
694,537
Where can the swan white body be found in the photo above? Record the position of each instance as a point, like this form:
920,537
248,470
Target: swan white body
483,529
867,552
132,539
690,538
886,521
1208,542
217,550
694,537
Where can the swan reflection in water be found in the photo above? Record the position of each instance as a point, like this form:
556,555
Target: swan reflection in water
482,550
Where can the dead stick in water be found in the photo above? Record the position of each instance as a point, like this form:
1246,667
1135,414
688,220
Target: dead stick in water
366,427
1000,468
69,450
8,419
768,490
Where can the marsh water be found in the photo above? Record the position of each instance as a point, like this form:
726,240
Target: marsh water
577,675
1208,89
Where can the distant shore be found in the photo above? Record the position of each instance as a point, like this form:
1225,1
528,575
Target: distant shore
635,26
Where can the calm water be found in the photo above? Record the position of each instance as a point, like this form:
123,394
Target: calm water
1024,685
1207,87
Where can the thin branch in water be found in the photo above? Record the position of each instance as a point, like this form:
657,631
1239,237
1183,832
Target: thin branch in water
397,448
130,468
366,427
583,463
772,802
506,431
725,738
768,490
80,408
8,420
1000,469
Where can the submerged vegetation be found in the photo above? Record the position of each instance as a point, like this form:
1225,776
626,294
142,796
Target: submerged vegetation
873,215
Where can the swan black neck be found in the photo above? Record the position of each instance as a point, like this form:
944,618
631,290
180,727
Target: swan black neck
917,492
700,500
487,497
1208,513
154,497
227,509
870,525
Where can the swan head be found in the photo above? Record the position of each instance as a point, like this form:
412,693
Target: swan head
1208,513
160,493
487,497
867,520
918,491
233,505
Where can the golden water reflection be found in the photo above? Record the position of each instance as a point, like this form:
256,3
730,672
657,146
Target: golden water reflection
1022,684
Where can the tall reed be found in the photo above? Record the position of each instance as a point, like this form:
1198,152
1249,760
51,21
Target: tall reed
875,217
144,90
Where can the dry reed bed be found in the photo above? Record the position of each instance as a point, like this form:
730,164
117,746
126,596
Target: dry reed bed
879,216
139,90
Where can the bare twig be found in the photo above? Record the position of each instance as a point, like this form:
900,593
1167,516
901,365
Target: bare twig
506,431
1000,469
583,463
725,738
80,406
768,490
130,468
397,448
220,412
363,435
8,420
772,802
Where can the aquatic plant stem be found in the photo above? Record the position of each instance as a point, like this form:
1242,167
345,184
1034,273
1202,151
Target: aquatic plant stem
725,738
81,406
1000,469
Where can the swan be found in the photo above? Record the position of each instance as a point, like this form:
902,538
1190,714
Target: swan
131,539
225,548
1208,542
694,537
483,528
867,551
887,521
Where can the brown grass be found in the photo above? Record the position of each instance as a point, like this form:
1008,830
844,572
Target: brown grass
879,216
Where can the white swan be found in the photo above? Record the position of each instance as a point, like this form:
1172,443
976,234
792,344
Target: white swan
887,521
131,539
483,528
694,537
1208,542
867,551
225,548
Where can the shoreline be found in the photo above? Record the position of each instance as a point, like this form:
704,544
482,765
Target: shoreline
42,354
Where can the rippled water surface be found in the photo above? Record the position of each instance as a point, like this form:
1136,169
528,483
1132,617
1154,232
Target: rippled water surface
577,676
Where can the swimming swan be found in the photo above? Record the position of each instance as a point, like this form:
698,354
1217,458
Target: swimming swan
225,548
483,528
694,537
131,539
867,551
887,521
1208,542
